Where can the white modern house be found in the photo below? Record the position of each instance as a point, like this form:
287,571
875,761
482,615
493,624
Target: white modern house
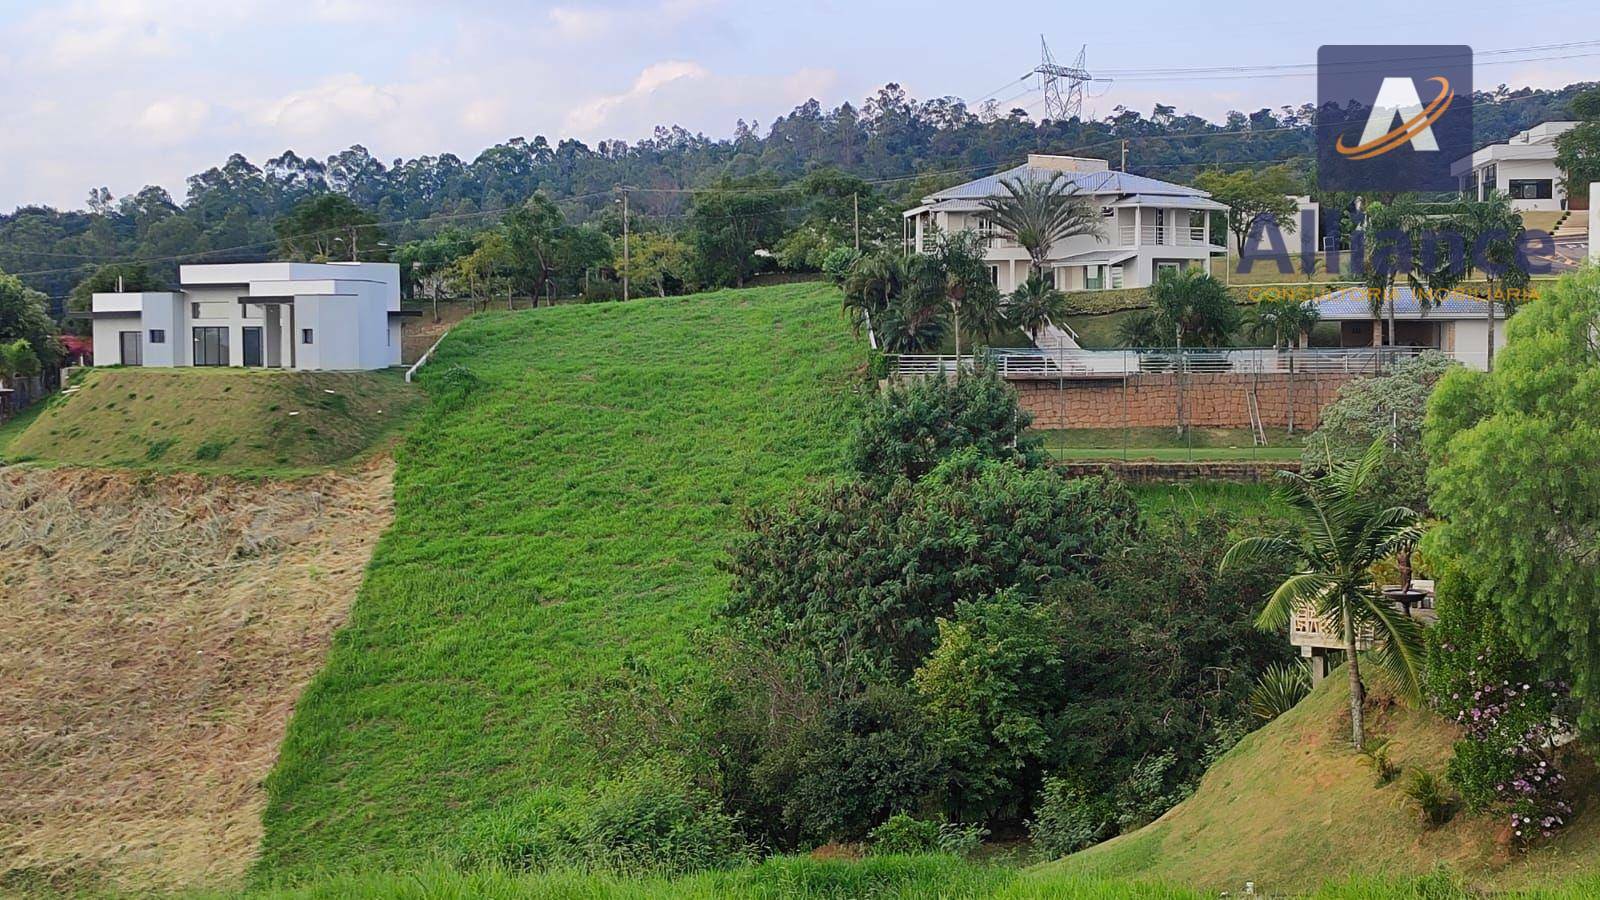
1149,225
1523,168
289,315
1456,324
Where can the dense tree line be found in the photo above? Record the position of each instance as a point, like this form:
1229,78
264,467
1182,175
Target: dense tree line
229,212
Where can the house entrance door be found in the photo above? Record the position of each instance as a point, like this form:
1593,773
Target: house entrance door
252,346
132,347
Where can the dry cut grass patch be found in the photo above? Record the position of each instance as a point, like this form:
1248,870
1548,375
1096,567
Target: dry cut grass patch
155,634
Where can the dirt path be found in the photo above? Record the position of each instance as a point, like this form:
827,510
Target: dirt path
154,634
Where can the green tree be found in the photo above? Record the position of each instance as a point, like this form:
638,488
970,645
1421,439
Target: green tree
1388,409
1035,304
728,225
24,315
1514,472
657,259
426,264
1342,535
956,273
1253,197
1492,231
1578,150
871,284
130,277
325,228
1040,212
17,360
533,233
910,428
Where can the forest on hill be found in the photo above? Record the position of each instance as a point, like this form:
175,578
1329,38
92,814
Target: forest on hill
894,148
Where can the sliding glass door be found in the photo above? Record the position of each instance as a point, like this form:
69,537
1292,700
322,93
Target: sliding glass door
211,346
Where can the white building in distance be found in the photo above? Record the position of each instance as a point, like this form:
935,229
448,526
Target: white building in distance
1523,168
1148,225
288,315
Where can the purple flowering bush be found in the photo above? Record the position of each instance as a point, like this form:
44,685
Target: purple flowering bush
1514,724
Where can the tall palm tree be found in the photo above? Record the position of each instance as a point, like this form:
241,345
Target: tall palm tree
1493,230
1038,212
1343,535
957,272
1035,304
1287,323
1193,305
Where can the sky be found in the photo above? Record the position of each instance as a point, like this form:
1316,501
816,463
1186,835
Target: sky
124,93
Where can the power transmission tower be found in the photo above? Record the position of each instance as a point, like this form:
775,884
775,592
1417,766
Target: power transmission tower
1058,104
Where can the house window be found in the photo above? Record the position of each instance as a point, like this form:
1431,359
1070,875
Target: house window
1172,267
1491,180
1094,278
994,275
158,336
1531,188
1116,278
194,310
305,335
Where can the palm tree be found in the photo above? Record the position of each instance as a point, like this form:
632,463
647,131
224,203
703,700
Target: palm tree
956,271
1191,304
1343,535
1287,323
1493,230
913,322
1035,304
1038,212
871,283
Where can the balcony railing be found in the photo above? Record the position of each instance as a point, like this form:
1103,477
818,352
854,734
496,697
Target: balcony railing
1162,235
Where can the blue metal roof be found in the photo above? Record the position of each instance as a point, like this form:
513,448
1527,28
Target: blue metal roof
1353,303
1087,182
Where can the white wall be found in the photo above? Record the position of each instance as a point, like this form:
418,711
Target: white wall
1594,221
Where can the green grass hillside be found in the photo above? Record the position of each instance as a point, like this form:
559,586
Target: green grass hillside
1293,807
234,420
561,522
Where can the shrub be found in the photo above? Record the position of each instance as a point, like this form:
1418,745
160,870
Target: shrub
646,820
1279,689
1149,790
836,264
1427,793
903,834
452,387
1376,757
910,428
1067,818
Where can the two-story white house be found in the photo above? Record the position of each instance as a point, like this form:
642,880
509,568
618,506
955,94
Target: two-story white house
290,315
1149,225
1523,168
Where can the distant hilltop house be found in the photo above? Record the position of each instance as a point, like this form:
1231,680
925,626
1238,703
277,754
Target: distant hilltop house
1523,168
288,315
1455,324
1149,225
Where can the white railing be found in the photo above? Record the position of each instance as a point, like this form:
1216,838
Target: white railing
1162,235
411,373
1070,363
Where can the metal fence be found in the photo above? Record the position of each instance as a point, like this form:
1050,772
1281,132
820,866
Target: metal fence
1064,363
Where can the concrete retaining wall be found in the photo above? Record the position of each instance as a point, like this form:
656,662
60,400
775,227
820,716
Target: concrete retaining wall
1145,472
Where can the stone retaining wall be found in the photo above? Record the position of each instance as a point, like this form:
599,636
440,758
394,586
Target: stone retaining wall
1145,472
1217,400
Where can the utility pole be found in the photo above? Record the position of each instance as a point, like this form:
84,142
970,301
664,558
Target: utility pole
1124,156
353,257
625,248
855,202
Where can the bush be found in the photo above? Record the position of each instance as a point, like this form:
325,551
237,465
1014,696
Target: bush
647,820
902,834
454,385
1279,689
1376,757
836,264
1391,406
909,429
1067,818
1427,793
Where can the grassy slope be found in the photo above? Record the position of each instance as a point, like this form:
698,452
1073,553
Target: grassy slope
1292,807
565,521
232,420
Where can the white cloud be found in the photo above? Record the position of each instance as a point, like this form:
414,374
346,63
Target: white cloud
328,106
592,115
173,119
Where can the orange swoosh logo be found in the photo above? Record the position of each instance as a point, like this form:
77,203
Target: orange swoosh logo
1407,129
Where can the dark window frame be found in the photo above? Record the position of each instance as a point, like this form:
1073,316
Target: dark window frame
306,336
1542,188
158,335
